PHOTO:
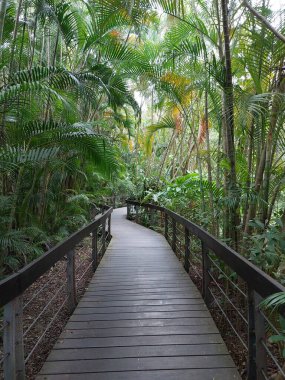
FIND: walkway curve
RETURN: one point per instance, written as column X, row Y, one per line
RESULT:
column 141, row 318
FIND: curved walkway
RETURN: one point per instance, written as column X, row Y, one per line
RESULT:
column 141, row 318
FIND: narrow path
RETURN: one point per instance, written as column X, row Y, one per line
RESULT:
column 141, row 318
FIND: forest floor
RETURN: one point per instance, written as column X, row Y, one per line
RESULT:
column 46, row 310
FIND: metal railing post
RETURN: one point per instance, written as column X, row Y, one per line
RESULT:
column 174, row 237
column 9, row 364
column 103, row 238
column 206, row 277
column 260, row 336
column 71, row 285
column 14, row 361
column 94, row 249
column 152, row 218
column 20, row 356
column 161, row 220
column 251, row 359
column 187, row 250
column 166, row 226
column 109, row 227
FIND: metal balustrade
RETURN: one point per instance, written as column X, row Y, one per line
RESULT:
column 37, row 301
column 231, row 286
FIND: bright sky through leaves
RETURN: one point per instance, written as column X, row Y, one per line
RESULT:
column 278, row 4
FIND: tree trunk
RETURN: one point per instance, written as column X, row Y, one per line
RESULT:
column 233, row 217
column 264, row 21
column 3, row 6
column 258, row 182
column 15, row 31
column 272, row 135
column 209, row 165
column 249, row 170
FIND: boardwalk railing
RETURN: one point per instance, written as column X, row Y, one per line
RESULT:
column 38, row 299
column 231, row 286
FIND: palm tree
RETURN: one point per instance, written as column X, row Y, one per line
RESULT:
column 60, row 73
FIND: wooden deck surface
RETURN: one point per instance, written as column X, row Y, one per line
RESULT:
column 141, row 318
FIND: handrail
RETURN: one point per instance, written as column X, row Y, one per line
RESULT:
column 59, row 283
column 231, row 286
column 255, row 277
column 17, row 283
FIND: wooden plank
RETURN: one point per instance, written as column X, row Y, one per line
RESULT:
column 148, row 270
column 183, row 374
column 141, row 318
column 154, row 295
column 137, row 291
column 143, row 244
column 143, row 364
column 141, row 289
column 139, row 309
column 98, row 288
column 137, row 277
column 139, row 331
column 149, row 315
column 140, row 323
column 89, row 302
column 131, row 283
column 139, row 341
column 138, row 352
column 161, row 296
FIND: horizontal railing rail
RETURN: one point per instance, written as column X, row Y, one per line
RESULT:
column 116, row 200
column 42, row 295
column 15, row 284
column 259, row 280
column 231, row 286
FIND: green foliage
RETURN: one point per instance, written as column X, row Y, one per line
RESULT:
column 107, row 97
column 61, row 72
column 267, row 248
column 185, row 195
column 273, row 303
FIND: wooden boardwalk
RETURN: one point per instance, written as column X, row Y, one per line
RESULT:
column 141, row 318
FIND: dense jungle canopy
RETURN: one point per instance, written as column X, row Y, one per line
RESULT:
column 169, row 101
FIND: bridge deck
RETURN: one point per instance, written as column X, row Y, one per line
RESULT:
column 141, row 318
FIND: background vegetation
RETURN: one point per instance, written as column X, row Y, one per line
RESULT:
column 177, row 103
